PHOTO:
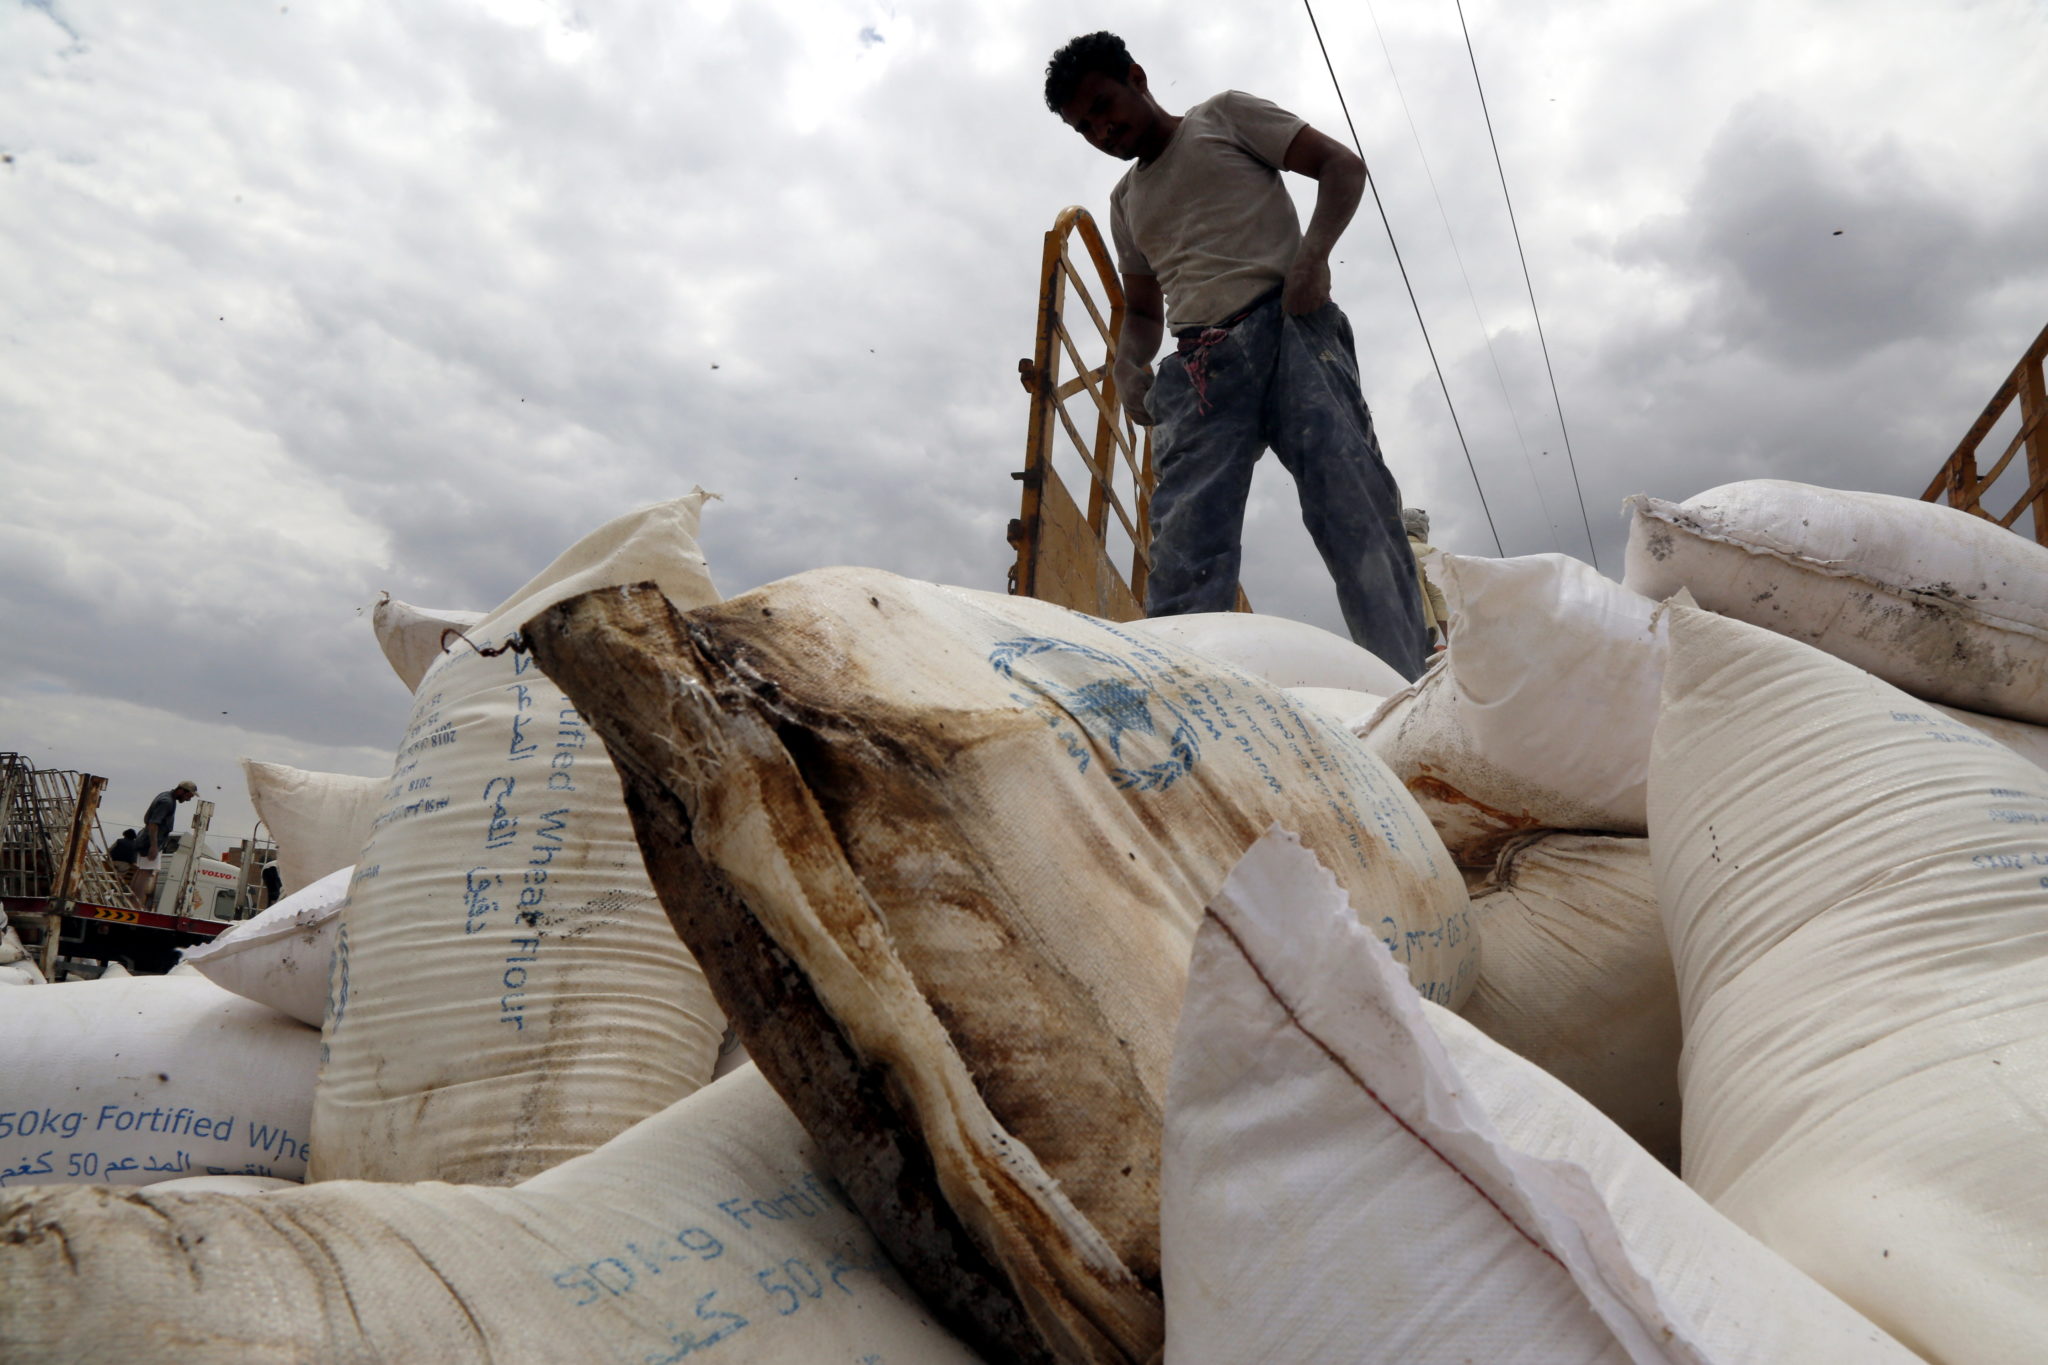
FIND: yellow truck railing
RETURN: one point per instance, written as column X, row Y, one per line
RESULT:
column 1064, row 554
column 1959, row 482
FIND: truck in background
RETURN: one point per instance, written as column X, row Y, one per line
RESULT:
column 64, row 898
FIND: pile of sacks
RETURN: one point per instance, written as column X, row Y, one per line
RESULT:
column 1192, row 986
column 17, row 966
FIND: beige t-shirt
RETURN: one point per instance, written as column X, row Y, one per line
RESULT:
column 1210, row 217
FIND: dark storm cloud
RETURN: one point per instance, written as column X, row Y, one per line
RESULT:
column 306, row 305
column 1819, row 254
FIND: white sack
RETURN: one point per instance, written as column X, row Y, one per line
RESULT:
column 1355, row 1174
column 146, row 1078
column 2028, row 741
column 956, row 845
column 1853, row 891
column 507, row 992
column 413, row 637
column 1348, row 708
column 10, row 943
column 319, row 820
column 224, row 1184
column 1950, row 607
column 1285, row 653
column 281, row 957
column 1574, row 975
column 1538, row 714
column 706, row 1231
column 17, row 965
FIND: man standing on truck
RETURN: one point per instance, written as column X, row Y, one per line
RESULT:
column 1207, row 241
column 156, row 833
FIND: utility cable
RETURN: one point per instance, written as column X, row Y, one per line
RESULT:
column 1456, row 425
column 1472, row 295
column 1570, row 462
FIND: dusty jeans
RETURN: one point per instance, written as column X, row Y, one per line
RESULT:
column 1290, row 383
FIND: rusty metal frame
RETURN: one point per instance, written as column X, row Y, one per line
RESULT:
column 1062, row 553
column 1062, row 548
column 1962, row 486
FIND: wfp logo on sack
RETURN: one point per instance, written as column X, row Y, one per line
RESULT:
column 1101, row 704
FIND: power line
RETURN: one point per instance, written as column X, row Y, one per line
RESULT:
column 1571, row 462
column 1472, row 295
column 1456, row 425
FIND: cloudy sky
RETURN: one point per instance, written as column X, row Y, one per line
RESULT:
column 305, row 301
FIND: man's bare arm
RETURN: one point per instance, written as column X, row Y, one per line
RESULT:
column 1340, row 183
column 1144, row 327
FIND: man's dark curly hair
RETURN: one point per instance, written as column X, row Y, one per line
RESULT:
column 1103, row 53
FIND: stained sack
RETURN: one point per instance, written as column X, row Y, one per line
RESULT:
column 1947, row 606
column 943, row 853
column 1353, row 1173
column 1852, row 889
column 1539, row 712
column 709, row 1227
column 505, row 991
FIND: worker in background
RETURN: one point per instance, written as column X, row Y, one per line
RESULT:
column 273, row 884
column 122, row 856
column 1208, row 243
column 156, row 833
column 1436, row 617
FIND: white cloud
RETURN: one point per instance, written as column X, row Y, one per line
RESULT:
column 308, row 301
column 142, row 750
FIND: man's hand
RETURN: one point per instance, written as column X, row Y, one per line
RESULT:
column 1308, row 283
column 1340, row 181
column 1144, row 328
column 1133, row 384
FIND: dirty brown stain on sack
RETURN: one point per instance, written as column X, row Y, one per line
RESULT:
column 1027, row 1033
column 1069, row 1104
column 843, row 1100
column 960, row 864
column 19, row 1227
column 736, row 679
column 1429, row 788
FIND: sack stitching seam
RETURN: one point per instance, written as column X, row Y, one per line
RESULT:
column 1373, row 1095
